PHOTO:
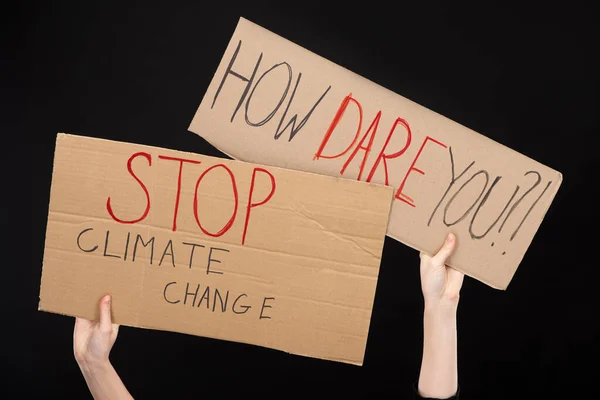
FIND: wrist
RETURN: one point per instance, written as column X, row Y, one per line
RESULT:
column 94, row 367
column 441, row 307
column 439, row 320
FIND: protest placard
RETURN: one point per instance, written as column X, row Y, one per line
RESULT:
column 274, row 102
column 214, row 247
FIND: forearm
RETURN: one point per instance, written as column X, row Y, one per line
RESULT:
column 104, row 382
column 439, row 371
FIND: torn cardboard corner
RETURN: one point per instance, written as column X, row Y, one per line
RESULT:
column 213, row 247
column 274, row 102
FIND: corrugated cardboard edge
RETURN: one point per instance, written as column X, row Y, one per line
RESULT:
column 58, row 137
column 390, row 189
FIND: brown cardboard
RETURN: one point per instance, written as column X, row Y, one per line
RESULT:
column 306, row 259
column 274, row 102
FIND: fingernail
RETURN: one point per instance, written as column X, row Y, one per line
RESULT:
column 107, row 300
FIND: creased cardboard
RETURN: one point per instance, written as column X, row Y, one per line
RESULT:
column 213, row 247
column 274, row 102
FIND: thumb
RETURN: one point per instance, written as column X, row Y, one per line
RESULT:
column 105, row 318
column 446, row 250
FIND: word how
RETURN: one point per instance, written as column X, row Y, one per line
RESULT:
column 249, row 92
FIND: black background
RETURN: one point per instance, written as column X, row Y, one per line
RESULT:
column 524, row 75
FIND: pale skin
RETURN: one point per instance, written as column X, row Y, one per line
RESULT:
column 93, row 340
column 441, row 288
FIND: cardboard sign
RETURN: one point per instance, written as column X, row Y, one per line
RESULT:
column 274, row 102
column 214, row 247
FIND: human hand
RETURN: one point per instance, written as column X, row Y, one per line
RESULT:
column 93, row 340
column 440, row 284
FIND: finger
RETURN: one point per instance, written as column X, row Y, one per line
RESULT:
column 105, row 318
column 446, row 250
